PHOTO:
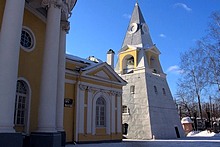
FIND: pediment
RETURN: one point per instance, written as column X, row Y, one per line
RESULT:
column 103, row 72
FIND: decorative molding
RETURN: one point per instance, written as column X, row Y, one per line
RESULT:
column 91, row 89
column 100, row 90
column 82, row 87
column 113, row 93
column 65, row 9
column 48, row 3
column 65, row 26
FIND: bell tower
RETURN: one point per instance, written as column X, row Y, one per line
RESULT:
column 148, row 106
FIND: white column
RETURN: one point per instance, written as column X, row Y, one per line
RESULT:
column 61, row 76
column 119, row 114
column 47, row 106
column 113, row 112
column 9, row 58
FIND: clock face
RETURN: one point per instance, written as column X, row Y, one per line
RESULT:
column 144, row 28
column 132, row 28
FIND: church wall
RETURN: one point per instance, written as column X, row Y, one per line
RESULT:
column 30, row 63
column 79, row 121
column 87, row 131
column 69, row 112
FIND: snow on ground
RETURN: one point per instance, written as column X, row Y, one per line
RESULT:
column 202, row 134
column 193, row 139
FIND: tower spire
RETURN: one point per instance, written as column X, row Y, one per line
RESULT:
column 138, row 33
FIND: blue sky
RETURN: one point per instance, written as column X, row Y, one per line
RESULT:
column 175, row 25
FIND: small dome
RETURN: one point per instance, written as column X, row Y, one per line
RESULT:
column 186, row 120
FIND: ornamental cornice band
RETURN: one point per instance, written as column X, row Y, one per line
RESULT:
column 65, row 26
column 48, row 3
column 92, row 89
column 83, row 87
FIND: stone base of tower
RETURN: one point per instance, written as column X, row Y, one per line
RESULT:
column 152, row 113
column 138, row 119
column 165, row 124
column 11, row 139
column 45, row 139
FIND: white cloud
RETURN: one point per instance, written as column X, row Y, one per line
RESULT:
column 184, row 6
column 175, row 69
column 162, row 35
column 128, row 16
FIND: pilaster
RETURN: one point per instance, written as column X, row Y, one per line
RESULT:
column 119, row 104
column 113, row 95
column 89, row 110
column 81, row 95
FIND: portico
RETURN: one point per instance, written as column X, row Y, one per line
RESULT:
column 50, row 110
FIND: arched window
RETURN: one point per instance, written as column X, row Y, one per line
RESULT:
column 21, row 103
column 154, row 64
column 128, row 64
column 155, row 90
column 100, row 112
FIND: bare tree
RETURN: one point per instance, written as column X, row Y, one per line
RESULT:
column 211, row 47
column 194, row 79
column 185, row 101
column 201, row 66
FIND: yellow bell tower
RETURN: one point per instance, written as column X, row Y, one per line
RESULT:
column 138, row 51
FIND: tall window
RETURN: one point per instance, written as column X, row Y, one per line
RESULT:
column 164, row 92
column 100, row 112
column 155, row 90
column 132, row 88
column 20, row 103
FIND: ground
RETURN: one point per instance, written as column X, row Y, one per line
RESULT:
column 194, row 139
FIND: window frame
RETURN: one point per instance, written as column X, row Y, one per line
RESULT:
column 33, row 40
column 100, row 117
column 132, row 89
column 21, row 99
column 155, row 89
column 164, row 91
column 125, row 109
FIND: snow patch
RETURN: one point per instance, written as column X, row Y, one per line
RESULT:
column 205, row 133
